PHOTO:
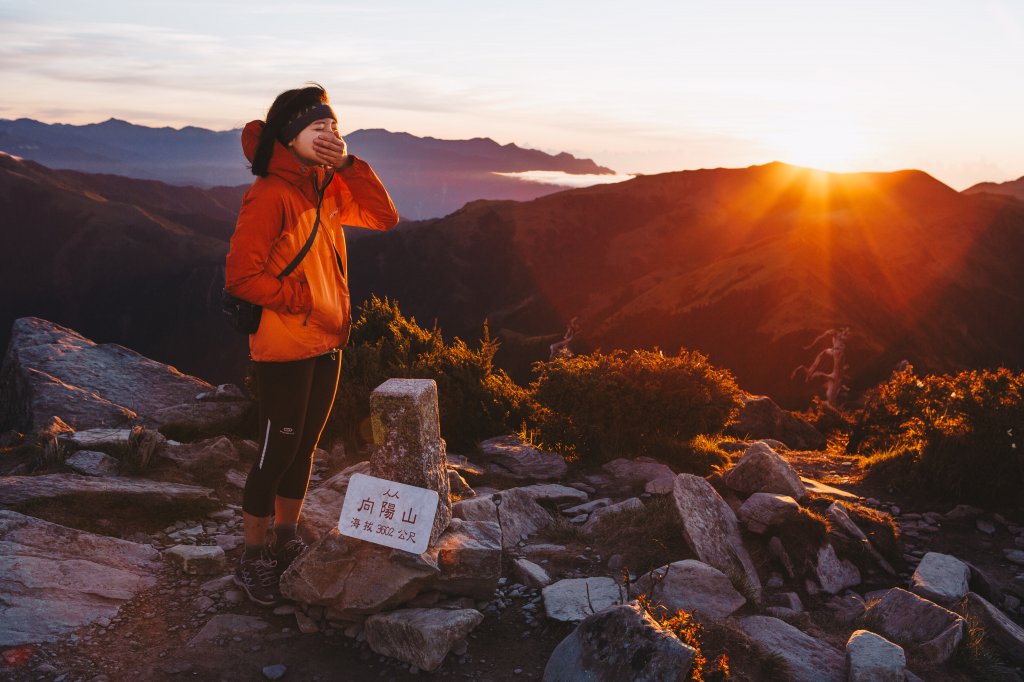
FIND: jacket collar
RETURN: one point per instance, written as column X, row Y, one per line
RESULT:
column 282, row 162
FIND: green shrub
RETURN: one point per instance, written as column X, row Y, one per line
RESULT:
column 626, row 404
column 956, row 435
column 475, row 400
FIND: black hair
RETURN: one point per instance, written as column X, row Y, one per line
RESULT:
column 285, row 108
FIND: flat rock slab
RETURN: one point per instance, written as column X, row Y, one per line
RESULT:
column 873, row 658
column 554, row 493
column 922, row 626
column 574, row 599
column 512, row 457
column 809, row 659
column 21, row 489
column 814, row 487
column 229, row 625
column 54, row 579
column 420, row 637
column 692, row 586
column 51, row 370
column 620, row 643
column 710, row 528
column 940, row 577
column 90, row 463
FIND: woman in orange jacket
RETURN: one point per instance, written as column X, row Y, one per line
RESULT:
column 306, row 181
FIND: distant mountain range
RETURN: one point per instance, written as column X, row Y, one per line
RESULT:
column 1011, row 188
column 746, row 265
column 427, row 177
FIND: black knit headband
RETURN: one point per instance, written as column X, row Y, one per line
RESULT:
column 290, row 131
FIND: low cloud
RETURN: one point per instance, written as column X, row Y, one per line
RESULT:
column 562, row 179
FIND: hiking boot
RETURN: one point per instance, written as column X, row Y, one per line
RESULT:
column 288, row 553
column 258, row 577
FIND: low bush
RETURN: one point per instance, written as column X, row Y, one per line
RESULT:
column 475, row 400
column 598, row 407
column 955, row 435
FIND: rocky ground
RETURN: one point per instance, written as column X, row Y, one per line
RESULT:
column 117, row 547
column 202, row 627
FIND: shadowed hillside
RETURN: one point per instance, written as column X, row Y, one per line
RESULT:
column 134, row 262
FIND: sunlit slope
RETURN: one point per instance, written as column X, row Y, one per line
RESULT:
column 748, row 265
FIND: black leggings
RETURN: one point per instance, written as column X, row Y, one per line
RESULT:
column 295, row 399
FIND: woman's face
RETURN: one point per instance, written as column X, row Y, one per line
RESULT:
column 302, row 145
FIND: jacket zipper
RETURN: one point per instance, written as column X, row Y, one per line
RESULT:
column 319, row 202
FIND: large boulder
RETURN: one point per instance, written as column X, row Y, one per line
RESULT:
column 92, row 490
column 872, row 658
column 690, row 585
column 469, row 558
column 574, row 599
column 762, row 510
column 322, row 506
column 51, row 370
column 762, row 470
column 633, row 504
column 511, row 457
column 55, row 579
column 841, row 522
column 420, row 637
column 355, row 577
column 214, row 454
column 407, row 445
column 760, row 417
column 710, row 529
column 643, row 474
column 921, row 626
column 942, row 578
column 834, row 574
column 513, row 510
column 808, row 659
column 1003, row 633
column 620, row 643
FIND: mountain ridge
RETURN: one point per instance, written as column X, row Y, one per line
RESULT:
column 426, row 176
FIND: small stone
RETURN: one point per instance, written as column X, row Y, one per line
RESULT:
column 985, row 526
column 275, row 672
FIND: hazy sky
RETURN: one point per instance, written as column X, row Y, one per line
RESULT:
column 637, row 86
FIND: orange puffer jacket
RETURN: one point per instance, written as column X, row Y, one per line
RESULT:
column 307, row 313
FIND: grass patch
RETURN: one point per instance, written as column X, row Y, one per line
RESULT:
column 975, row 658
column 802, row 535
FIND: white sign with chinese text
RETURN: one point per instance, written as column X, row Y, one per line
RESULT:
column 388, row 513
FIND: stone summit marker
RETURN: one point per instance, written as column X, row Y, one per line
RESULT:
column 388, row 513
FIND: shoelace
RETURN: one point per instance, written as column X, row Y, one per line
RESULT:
column 264, row 570
column 294, row 547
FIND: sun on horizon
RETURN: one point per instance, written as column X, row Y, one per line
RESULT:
column 829, row 143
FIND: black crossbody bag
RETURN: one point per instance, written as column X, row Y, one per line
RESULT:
column 244, row 316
